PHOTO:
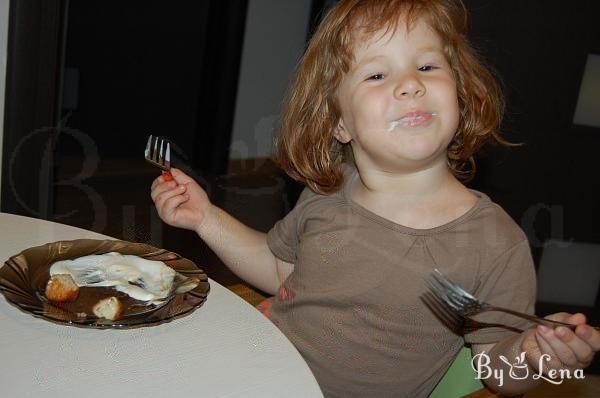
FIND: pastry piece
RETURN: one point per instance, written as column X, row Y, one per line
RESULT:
column 61, row 287
column 108, row 308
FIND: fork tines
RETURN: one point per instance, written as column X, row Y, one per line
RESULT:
column 454, row 321
column 158, row 152
column 438, row 291
column 453, row 295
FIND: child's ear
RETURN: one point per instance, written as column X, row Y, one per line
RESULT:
column 341, row 134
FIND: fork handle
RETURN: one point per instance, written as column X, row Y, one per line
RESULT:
column 538, row 320
column 167, row 176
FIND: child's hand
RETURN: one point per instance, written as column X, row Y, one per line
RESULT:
column 181, row 202
column 567, row 349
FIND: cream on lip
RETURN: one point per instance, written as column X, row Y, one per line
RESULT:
column 411, row 119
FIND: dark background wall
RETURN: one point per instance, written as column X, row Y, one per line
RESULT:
column 153, row 67
column 129, row 69
column 550, row 185
column 539, row 49
column 128, row 60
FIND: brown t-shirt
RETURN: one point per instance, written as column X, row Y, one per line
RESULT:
column 356, row 313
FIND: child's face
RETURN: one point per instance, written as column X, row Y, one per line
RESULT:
column 398, row 101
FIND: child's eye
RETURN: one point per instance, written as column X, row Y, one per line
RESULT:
column 377, row 76
column 426, row 68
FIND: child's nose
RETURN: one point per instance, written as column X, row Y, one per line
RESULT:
column 409, row 86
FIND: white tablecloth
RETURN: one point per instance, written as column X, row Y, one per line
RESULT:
column 223, row 349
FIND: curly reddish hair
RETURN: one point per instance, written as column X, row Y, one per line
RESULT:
column 306, row 148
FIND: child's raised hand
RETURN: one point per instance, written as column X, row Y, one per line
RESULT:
column 565, row 348
column 181, row 202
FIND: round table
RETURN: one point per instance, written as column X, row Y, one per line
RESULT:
column 225, row 348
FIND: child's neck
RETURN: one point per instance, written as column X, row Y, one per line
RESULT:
column 422, row 199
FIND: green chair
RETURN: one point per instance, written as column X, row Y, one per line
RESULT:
column 459, row 380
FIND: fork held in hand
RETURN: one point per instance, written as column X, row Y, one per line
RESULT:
column 159, row 154
column 459, row 324
column 467, row 305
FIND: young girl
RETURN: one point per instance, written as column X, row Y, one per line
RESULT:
column 388, row 106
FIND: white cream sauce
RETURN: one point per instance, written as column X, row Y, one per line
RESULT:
column 139, row 278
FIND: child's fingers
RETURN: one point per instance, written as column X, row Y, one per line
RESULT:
column 160, row 189
column 545, row 347
column 158, row 180
column 582, row 350
column 577, row 319
column 162, row 198
column 172, row 203
column 590, row 335
column 585, row 338
column 574, row 319
column 551, row 344
column 565, row 317
column 180, row 176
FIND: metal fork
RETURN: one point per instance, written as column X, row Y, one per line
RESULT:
column 467, row 305
column 159, row 154
column 457, row 323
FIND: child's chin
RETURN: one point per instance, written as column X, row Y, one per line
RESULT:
column 420, row 154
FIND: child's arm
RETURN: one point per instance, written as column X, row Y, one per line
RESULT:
column 565, row 348
column 183, row 203
column 244, row 250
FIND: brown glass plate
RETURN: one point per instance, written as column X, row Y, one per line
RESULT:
column 24, row 276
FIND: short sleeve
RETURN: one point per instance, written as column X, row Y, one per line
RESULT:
column 509, row 282
column 283, row 238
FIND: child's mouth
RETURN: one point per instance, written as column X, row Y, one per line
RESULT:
column 412, row 119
